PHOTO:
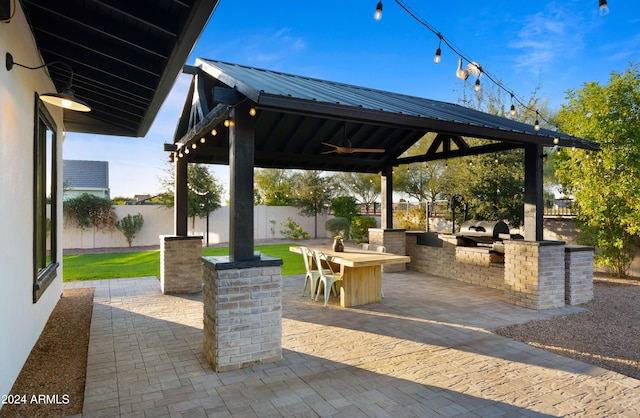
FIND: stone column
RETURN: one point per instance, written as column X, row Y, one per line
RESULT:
column 242, row 312
column 180, row 264
column 534, row 273
column 394, row 241
column 578, row 274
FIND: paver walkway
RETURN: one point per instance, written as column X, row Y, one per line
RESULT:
column 425, row 351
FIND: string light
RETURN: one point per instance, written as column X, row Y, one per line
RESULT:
column 436, row 59
column 203, row 140
column 214, row 132
column 556, row 140
column 513, row 107
column 378, row 14
column 252, row 111
column 604, row 7
column 472, row 67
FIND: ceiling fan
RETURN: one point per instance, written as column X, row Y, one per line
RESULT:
column 348, row 149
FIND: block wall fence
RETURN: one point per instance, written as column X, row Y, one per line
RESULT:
column 158, row 221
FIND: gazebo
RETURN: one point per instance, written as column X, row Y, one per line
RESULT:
column 249, row 117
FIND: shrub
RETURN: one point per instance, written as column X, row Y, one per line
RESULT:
column 88, row 210
column 293, row 230
column 360, row 227
column 130, row 226
column 337, row 225
column 415, row 219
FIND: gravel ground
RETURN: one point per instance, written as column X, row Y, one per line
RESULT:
column 57, row 365
column 605, row 335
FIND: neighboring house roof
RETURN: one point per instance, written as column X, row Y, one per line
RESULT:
column 86, row 174
column 126, row 55
column 297, row 115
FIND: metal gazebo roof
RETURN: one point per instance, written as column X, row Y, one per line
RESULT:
column 295, row 115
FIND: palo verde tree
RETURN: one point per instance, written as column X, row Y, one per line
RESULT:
column 605, row 186
column 204, row 191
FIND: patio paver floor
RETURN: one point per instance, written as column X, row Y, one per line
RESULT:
column 426, row 351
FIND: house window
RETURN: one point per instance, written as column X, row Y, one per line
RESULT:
column 45, row 201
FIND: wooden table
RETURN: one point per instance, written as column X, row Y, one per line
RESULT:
column 361, row 272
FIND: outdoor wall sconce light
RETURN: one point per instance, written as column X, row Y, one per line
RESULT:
column 65, row 98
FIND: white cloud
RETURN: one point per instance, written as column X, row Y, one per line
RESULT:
column 547, row 38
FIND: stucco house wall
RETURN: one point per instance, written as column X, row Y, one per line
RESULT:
column 22, row 320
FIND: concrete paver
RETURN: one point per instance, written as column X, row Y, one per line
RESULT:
column 425, row 350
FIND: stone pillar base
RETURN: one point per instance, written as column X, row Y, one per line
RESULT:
column 578, row 274
column 242, row 312
column 180, row 264
column 534, row 273
column 394, row 241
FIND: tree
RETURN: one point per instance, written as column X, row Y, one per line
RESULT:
column 345, row 207
column 496, row 187
column 273, row 187
column 363, row 186
column 313, row 194
column 493, row 185
column 204, row 192
column 423, row 181
column 605, row 186
column 130, row 226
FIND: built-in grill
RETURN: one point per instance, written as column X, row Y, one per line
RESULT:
column 483, row 233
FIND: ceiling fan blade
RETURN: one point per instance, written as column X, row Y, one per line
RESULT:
column 378, row 150
column 336, row 148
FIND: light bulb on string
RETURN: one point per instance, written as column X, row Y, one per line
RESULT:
column 513, row 107
column 436, row 59
column 378, row 14
column 476, row 87
column 203, row 140
column 556, row 140
column 252, row 111
column 536, row 126
column 604, row 7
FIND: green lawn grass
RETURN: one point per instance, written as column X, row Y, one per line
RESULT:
column 147, row 263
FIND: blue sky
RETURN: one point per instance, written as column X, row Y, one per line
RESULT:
column 553, row 45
